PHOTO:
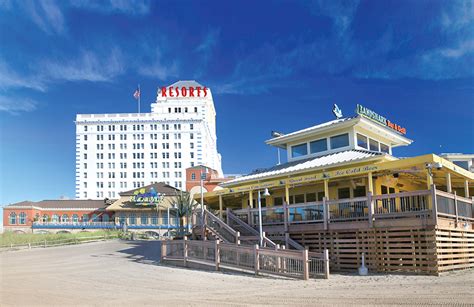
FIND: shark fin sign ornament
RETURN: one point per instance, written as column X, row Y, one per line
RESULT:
column 143, row 198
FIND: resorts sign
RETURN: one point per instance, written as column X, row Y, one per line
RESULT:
column 150, row 198
column 183, row 91
column 379, row 119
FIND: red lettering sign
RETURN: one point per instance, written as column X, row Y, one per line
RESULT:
column 184, row 91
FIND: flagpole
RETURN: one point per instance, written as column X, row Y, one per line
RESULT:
column 139, row 97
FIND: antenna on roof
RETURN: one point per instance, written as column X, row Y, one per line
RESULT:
column 336, row 111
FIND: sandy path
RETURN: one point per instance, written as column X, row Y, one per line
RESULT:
column 125, row 273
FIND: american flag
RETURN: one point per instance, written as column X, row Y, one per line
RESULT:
column 136, row 95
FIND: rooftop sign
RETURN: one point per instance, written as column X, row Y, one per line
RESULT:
column 184, row 91
column 150, row 198
column 379, row 119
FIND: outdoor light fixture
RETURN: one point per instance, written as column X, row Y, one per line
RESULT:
column 266, row 193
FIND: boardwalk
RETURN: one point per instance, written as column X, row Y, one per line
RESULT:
column 125, row 273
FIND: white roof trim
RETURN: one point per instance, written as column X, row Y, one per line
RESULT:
column 321, row 162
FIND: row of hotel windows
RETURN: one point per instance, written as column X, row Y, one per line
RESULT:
column 140, row 127
column 141, row 146
column 136, row 184
column 139, row 155
column 135, row 165
column 335, row 142
column 144, row 218
column 181, row 110
column 123, row 165
column 123, row 137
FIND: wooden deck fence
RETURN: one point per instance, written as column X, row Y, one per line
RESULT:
column 272, row 261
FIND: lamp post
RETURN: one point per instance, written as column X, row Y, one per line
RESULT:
column 265, row 193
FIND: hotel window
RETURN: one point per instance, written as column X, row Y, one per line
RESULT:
column 144, row 219
column 318, row 146
column 193, row 176
column 85, row 128
column 12, row 218
column 85, row 218
column 45, row 218
column 154, row 219
column 191, row 126
column 278, row 201
column 122, row 218
column 95, row 218
column 343, row 193
column 75, row 218
column 64, row 218
column 384, row 148
column 361, row 141
column 299, row 150
column 85, row 137
column 359, row 191
column 339, row 141
column 373, row 145
column 133, row 219
column 320, row 196
column 310, row 197
column 195, row 109
column 105, row 218
column 55, row 218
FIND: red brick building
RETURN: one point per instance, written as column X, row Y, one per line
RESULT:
column 21, row 217
column 211, row 179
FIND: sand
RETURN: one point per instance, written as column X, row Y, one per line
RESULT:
column 128, row 273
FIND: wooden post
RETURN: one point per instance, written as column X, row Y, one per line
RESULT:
column 325, row 213
column 285, row 215
column 277, row 247
column 237, row 238
column 370, row 207
column 449, row 188
column 257, row 262
column 185, row 251
column 251, row 199
column 305, row 264
column 456, row 207
column 217, row 255
column 249, row 216
column 221, row 207
column 370, row 183
column 434, row 204
column 466, row 188
column 326, row 263
column 163, row 250
column 287, row 194
column 287, row 237
column 227, row 216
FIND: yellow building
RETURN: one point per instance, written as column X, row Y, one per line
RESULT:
column 342, row 189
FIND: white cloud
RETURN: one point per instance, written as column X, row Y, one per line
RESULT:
column 209, row 41
column 17, row 105
column 135, row 7
column 87, row 67
column 158, row 68
column 11, row 79
column 46, row 14
column 462, row 49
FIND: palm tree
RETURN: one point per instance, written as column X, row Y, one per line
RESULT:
column 185, row 205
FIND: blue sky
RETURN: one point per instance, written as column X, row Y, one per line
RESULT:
column 272, row 65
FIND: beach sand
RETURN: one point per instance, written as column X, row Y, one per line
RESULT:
column 128, row 273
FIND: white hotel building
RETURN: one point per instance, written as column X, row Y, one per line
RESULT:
column 119, row 152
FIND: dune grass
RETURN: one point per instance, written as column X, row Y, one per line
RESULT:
column 8, row 238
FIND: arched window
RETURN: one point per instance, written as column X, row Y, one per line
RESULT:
column 105, row 218
column 144, row 219
column 45, row 218
column 85, row 218
column 133, row 218
column 122, row 218
column 55, row 218
column 95, row 218
column 12, row 218
column 65, row 218
column 22, row 219
column 75, row 218
column 154, row 219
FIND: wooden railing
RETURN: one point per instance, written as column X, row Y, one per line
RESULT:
column 272, row 261
column 218, row 227
column 369, row 208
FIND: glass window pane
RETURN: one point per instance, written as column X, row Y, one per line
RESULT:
column 339, row 141
column 278, row 201
column 299, row 199
column 362, row 141
column 374, row 145
column 384, row 148
column 318, row 146
column 299, row 150
column 343, row 193
column 310, row 197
